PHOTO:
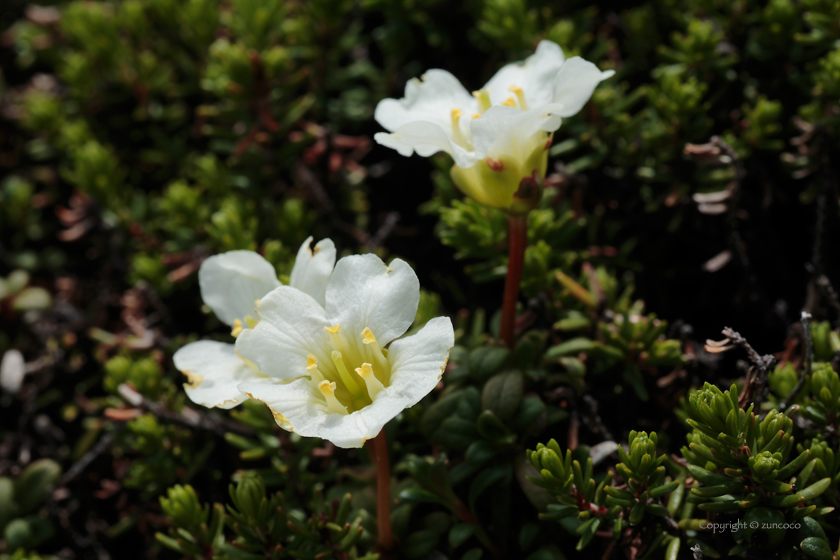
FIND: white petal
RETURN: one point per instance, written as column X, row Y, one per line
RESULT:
column 574, row 84
column 431, row 99
column 426, row 138
column 509, row 131
column 535, row 75
column 364, row 292
column 419, row 360
column 422, row 120
column 304, row 411
column 291, row 327
column 232, row 282
column 12, row 371
column 214, row 370
column 313, row 268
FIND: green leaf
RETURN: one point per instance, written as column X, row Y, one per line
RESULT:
column 815, row 489
column 481, row 451
column 502, row 394
column 487, row 360
column 483, row 481
column 816, row 548
column 34, row 482
column 460, row 532
column 419, row 495
column 419, row 544
column 473, row 554
column 571, row 347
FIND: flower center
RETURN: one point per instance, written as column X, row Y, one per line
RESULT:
column 249, row 320
column 358, row 371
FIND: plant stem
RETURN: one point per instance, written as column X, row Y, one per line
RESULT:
column 385, row 538
column 516, row 258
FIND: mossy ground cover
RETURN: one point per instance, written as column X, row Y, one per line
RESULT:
column 696, row 190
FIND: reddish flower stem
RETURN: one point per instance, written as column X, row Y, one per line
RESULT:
column 516, row 259
column 385, row 538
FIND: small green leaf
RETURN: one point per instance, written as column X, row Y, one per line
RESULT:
column 816, row 548
column 460, row 532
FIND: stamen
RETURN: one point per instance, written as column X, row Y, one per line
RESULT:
column 367, row 336
column 333, row 330
column 312, row 368
column 509, row 102
column 378, row 353
column 348, row 380
column 475, row 116
column 483, row 96
column 455, row 115
column 250, row 321
column 520, row 96
column 372, row 383
column 237, row 328
column 328, row 390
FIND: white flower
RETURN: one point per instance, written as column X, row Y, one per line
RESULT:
column 334, row 374
column 497, row 135
column 231, row 284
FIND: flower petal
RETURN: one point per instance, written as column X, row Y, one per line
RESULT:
column 426, row 138
column 418, row 361
column 232, row 282
column 535, row 75
column 291, row 327
column 303, row 411
column 431, row 99
column 313, row 268
column 364, row 292
column 422, row 120
column 574, row 84
column 510, row 131
column 214, row 370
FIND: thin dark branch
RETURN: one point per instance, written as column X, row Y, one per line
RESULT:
column 754, row 388
column 188, row 417
column 809, row 358
column 384, row 231
column 79, row 466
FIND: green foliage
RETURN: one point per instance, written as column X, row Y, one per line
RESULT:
column 141, row 136
column 23, row 527
column 262, row 526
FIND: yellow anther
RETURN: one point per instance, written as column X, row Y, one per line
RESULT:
column 327, row 389
column 237, row 328
column 509, row 102
column 483, row 97
column 372, row 383
column 456, row 114
column 348, row 380
column 312, row 368
column 250, row 321
column 520, row 96
column 476, row 115
column 333, row 330
column 367, row 336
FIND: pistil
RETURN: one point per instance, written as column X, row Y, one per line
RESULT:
column 328, row 390
column 346, row 377
column 483, row 97
column 372, row 383
column 455, row 115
